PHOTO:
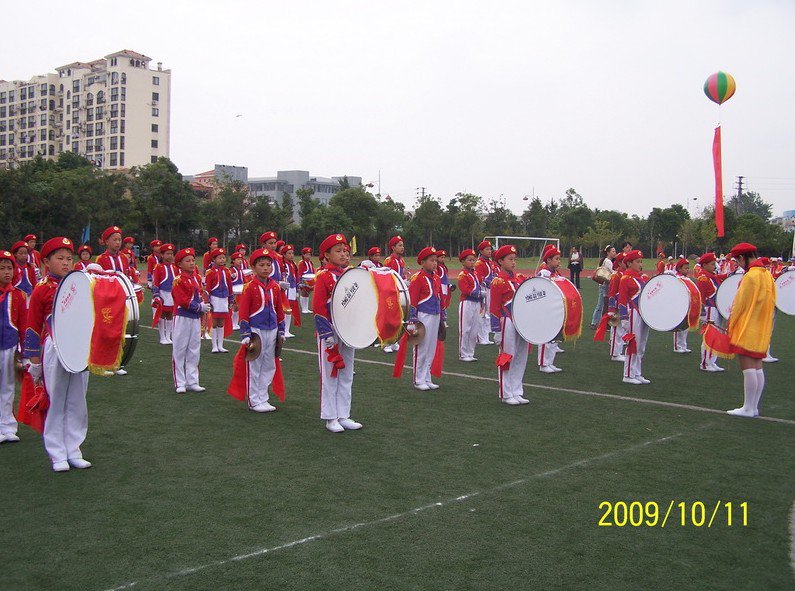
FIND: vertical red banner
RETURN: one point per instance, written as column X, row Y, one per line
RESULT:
column 716, row 160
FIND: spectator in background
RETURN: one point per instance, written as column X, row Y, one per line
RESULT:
column 575, row 266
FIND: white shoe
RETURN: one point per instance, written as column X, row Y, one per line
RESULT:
column 235, row 327
column 620, row 358
column 522, row 400
column 421, row 387
column 349, row 424
column 264, row 407
column 389, row 349
column 60, row 466
column 642, row 380
column 305, row 312
column 432, row 386
column 556, row 368
column 560, row 350
column 196, row 388
column 467, row 359
column 546, row 369
column 334, row 426
column 681, row 351
column 79, row 463
column 3, row 438
column 770, row 359
column 511, row 401
column 215, row 350
column 163, row 342
column 288, row 335
column 181, row 390
column 710, row 368
column 222, row 350
column 741, row 412
column 121, row 372
column 169, row 342
column 9, row 438
column 632, row 381
column 716, row 367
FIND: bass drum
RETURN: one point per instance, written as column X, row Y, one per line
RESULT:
column 665, row 302
column 538, row 310
column 785, row 293
column 353, row 307
column 133, row 320
column 724, row 298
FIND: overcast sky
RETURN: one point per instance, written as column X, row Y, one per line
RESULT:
column 494, row 98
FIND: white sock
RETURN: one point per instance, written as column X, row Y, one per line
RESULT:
column 170, row 328
column 214, row 335
column 750, row 385
column 760, row 385
column 161, row 329
column 287, row 318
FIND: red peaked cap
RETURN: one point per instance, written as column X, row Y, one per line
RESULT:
column 465, row 253
column 484, row 244
column 29, row 237
column 306, row 250
column 216, row 252
column 332, row 241
column 283, row 250
column 155, row 244
column 632, row 255
column 85, row 247
column 706, row 258
column 503, row 251
column 185, row 252
column 54, row 244
column 110, row 232
column 167, row 246
column 261, row 253
column 744, row 248
column 681, row 262
column 19, row 244
column 549, row 252
column 270, row 235
column 129, row 240
column 211, row 240
column 394, row 240
column 373, row 251
column 425, row 253
column 441, row 253
column 7, row 256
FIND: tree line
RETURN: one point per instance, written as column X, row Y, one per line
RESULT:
column 64, row 196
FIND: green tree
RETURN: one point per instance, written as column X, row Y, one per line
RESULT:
column 750, row 202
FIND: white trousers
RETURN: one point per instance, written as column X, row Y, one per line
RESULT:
column 67, row 418
column 425, row 350
column 546, row 354
column 468, row 327
column 485, row 321
column 510, row 342
column 617, row 339
column 335, row 392
column 636, row 326
column 262, row 369
column 186, row 351
column 8, row 424
column 680, row 340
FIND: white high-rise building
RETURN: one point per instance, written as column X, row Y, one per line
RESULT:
column 115, row 111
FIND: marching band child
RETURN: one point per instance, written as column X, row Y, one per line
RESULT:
column 132, row 263
column 84, row 255
column 708, row 283
column 13, row 312
column 270, row 241
column 207, row 258
column 373, row 260
column 114, row 260
column 243, row 250
column 305, row 266
column 25, row 271
column 261, row 313
column 444, row 276
column 471, row 300
column 162, row 284
column 425, row 294
column 187, row 293
column 290, row 275
column 395, row 262
column 335, row 358
column 238, row 279
column 66, row 424
column 152, row 261
column 34, row 256
column 218, row 283
column 486, row 270
column 549, row 268
column 682, row 268
column 660, row 269
column 616, row 331
column 636, row 331
column 512, row 358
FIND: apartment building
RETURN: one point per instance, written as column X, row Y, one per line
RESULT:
column 115, row 111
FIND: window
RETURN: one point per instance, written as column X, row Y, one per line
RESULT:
column 68, row 124
column 114, row 158
column 51, row 135
column 90, row 130
column 154, row 127
column 2, row 98
column 43, row 89
column 76, row 86
column 154, row 143
column 31, row 121
column 114, row 110
column 68, row 109
column 23, row 93
column 51, row 150
column 43, row 119
column 114, row 143
column 98, row 145
column 124, row 93
column 113, row 61
column 52, row 89
column 89, row 146
column 122, row 126
column 153, row 159
column 89, row 99
column 2, row 140
column 43, row 104
column 11, row 94
column 114, row 126
column 156, row 80
column 99, row 129
column 155, row 96
column 2, row 111
column 90, row 115
column 123, row 81
column 114, row 94
column 42, row 135
column 121, row 158
column 123, row 110
column 100, row 97
column 75, row 147
column 100, row 112
column 121, row 144
column 114, row 77
column 75, row 117
column 155, row 112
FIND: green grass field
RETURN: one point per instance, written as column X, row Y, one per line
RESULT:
column 440, row 490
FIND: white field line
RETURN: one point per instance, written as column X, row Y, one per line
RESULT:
column 397, row 516
column 792, row 538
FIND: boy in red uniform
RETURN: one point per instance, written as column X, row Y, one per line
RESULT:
column 395, row 262
column 708, row 283
column 444, row 276
column 84, row 257
column 636, row 331
column 373, row 260
column 550, row 268
column 261, row 313
column 660, row 268
column 238, row 280
column 616, row 332
column 13, row 312
column 25, row 272
column 187, row 294
column 162, row 284
column 290, row 275
column 512, row 359
column 486, row 270
column 305, row 267
column 66, row 424
column 425, row 294
column 335, row 358
column 152, row 261
column 471, row 301
column 113, row 259
column 682, row 269
column 34, row 256
column 218, row 283
column 207, row 259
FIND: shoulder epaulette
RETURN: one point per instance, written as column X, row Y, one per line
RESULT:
column 498, row 281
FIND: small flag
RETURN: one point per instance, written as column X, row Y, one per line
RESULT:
column 353, row 246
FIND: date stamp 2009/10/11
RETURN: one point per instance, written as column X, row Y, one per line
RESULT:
column 679, row 513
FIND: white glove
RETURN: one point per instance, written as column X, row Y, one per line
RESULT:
column 284, row 284
column 446, row 325
column 329, row 342
column 35, row 371
column 206, row 308
column 411, row 328
column 245, row 341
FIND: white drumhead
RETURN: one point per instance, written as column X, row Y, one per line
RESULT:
column 724, row 298
column 354, row 305
column 664, row 302
column 73, row 321
column 237, row 289
column 785, row 293
column 538, row 310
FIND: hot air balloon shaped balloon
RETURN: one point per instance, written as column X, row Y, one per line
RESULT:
column 719, row 87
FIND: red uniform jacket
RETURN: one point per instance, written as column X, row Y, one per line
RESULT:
column 13, row 317
column 187, row 293
column 628, row 291
column 503, row 288
column 397, row 264
column 324, row 285
column 469, row 287
column 37, row 325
